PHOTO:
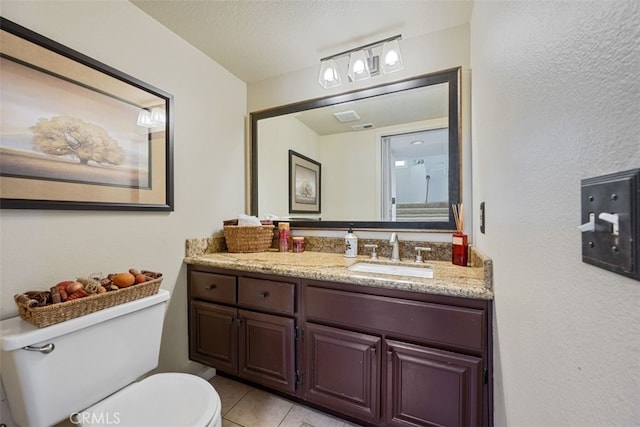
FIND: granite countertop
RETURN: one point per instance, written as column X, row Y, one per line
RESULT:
column 448, row 279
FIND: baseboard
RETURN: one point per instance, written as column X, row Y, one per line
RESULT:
column 207, row 373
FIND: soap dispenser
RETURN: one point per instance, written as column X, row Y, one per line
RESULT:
column 350, row 243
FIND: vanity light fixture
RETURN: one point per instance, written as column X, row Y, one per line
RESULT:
column 151, row 119
column 391, row 57
column 144, row 118
column 364, row 61
column 358, row 66
column 329, row 75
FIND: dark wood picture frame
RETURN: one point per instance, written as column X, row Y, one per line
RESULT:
column 121, row 154
column 304, row 184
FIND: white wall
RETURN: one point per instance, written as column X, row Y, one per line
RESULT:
column 556, row 98
column 425, row 54
column 353, row 191
column 279, row 135
column 41, row 247
column 354, row 194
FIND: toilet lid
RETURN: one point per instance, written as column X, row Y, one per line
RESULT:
column 170, row 400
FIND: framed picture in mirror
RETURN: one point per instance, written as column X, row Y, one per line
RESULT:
column 304, row 184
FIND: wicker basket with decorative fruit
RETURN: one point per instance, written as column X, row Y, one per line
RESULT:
column 74, row 298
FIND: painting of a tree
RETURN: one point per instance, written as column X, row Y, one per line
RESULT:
column 73, row 137
column 304, row 184
column 53, row 129
column 74, row 133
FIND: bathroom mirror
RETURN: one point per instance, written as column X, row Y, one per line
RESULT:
column 389, row 156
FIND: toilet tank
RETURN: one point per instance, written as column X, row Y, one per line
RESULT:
column 93, row 356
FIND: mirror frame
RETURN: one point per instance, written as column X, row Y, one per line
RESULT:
column 451, row 76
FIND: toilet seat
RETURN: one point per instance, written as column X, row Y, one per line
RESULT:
column 168, row 399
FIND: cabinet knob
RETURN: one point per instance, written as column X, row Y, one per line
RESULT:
column 263, row 295
column 211, row 287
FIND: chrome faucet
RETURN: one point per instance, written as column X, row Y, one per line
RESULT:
column 395, row 251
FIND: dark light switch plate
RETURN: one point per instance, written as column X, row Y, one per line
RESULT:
column 617, row 193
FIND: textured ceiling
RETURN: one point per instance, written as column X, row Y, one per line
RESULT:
column 427, row 103
column 256, row 40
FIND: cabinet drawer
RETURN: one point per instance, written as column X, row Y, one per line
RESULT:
column 266, row 295
column 213, row 287
column 444, row 325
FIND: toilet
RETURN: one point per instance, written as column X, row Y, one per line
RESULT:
column 92, row 370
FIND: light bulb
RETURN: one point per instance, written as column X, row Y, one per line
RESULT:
column 358, row 69
column 391, row 57
column 329, row 75
column 158, row 117
column 144, row 118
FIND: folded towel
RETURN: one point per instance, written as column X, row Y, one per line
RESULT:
column 235, row 221
column 248, row 220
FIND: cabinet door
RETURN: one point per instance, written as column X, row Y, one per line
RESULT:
column 267, row 350
column 342, row 371
column 429, row 387
column 214, row 336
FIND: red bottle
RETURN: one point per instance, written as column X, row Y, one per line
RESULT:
column 284, row 234
column 460, row 249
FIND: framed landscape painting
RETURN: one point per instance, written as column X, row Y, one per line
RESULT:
column 304, row 184
column 78, row 134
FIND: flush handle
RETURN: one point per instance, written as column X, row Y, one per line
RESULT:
column 46, row 349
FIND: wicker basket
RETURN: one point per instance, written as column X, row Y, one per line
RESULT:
column 248, row 238
column 56, row 313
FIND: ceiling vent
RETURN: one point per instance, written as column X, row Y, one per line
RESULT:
column 347, row 116
column 363, row 126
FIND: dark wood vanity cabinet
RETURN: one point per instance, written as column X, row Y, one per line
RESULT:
column 342, row 371
column 213, row 335
column 426, row 386
column 377, row 356
column 397, row 358
column 243, row 326
column 266, row 353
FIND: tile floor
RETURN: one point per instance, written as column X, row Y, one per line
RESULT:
column 245, row 406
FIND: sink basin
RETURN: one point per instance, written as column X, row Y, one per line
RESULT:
column 395, row 270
